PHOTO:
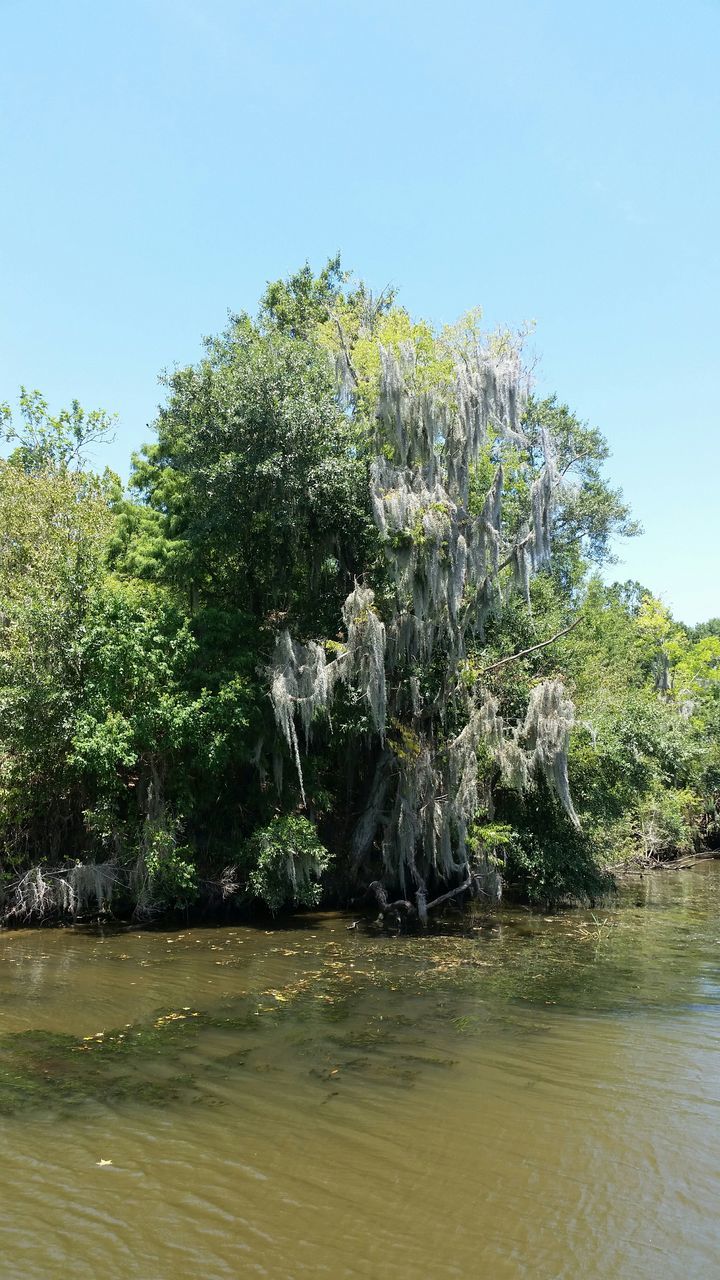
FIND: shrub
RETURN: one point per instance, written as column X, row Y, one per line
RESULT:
column 668, row 822
column 289, row 860
column 171, row 877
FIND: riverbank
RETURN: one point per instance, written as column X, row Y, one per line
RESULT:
column 83, row 895
column 642, row 866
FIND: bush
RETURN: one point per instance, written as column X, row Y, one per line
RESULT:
column 550, row 862
column 289, row 860
column 668, row 823
column 171, row 876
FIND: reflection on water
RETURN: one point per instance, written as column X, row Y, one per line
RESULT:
column 534, row 1098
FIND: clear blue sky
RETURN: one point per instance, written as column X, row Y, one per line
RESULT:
column 557, row 162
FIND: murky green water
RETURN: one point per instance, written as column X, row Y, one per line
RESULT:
column 540, row 1098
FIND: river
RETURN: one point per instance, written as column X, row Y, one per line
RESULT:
column 532, row 1097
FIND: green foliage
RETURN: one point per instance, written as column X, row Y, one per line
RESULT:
column 404, row 741
column 136, row 629
column 288, row 862
column 492, row 841
column 171, row 877
column 53, row 523
column 52, row 442
column 258, row 478
column 549, row 862
column 665, row 823
column 590, row 513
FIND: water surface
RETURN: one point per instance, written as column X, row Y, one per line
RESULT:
column 534, row 1098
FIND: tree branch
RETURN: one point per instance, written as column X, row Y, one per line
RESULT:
column 508, row 559
column 533, row 648
column 453, row 893
column 346, row 353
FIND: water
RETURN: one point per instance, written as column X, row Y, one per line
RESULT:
column 537, row 1098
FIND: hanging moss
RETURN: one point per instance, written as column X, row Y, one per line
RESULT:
column 446, row 568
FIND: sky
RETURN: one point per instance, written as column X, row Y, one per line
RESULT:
column 555, row 163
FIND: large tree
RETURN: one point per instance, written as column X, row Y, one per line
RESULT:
column 372, row 493
column 436, row 734
column 342, row 601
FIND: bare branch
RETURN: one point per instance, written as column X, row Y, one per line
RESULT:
column 533, row 648
column 453, row 893
column 346, row 353
column 508, row 559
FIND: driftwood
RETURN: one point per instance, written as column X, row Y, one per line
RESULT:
column 402, row 912
column 452, row 893
column 391, row 914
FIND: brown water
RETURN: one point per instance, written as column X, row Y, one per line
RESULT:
column 538, row 1098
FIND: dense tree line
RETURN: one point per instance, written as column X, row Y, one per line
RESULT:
column 345, row 628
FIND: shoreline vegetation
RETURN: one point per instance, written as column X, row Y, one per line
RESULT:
column 345, row 637
column 212, row 909
column 637, row 866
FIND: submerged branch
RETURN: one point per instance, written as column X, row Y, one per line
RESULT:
column 452, row 893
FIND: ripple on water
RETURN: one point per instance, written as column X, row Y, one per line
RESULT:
column 536, row 1098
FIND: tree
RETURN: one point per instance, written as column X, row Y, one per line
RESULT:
column 347, row 619
column 53, row 525
column 344, row 473
column 589, row 514
column 436, row 728
column 258, row 477
column 45, row 441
